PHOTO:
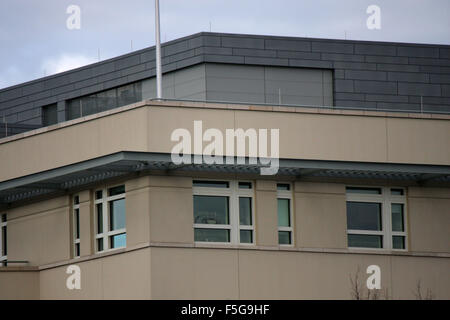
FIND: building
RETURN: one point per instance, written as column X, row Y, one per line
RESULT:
column 87, row 177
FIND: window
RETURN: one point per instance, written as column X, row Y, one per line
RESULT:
column 76, row 226
column 284, row 212
column 110, row 218
column 223, row 211
column 376, row 218
column 104, row 100
column 3, row 240
column 49, row 114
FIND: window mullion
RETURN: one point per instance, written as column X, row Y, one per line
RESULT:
column 105, row 220
column 387, row 216
column 234, row 214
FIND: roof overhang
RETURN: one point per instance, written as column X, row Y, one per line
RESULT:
column 78, row 175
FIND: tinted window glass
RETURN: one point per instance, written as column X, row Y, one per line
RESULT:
column 365, row 241
column 49, row 115
column 284, row 217
column 363, row 216
column 211, row 210
column 212, row 235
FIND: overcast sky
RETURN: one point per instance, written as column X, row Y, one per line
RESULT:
column 35, row 41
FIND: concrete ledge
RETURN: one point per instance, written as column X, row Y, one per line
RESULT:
column 379, row 252
column 230, row 106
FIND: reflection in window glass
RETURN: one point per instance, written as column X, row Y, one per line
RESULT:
column 99, row 218
column 3, row 239
column 398, row 242
column 88, row 105
column 245, row 211
column 106, row 100
column 210, row 184
column 364, row 216
column 284, row 237
column 74, row 109
column 137, row 91
column 100, row 244
column 211, row 210
column 223, row 211
column 118, row 241
column 397, row 217
column 49, row 114
column 110, row 218
column 284, row 216
column 212, row 235
column 368, row 209
column 245, row 185
column 363, row 190
column 397, row 192
column 365, row 241
column 283, row 186
column 116, row 190
column 117, row 214
column 77, row 223
column 125, row 95
column 246, row 236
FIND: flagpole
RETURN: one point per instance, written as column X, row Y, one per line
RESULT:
column 158, row 53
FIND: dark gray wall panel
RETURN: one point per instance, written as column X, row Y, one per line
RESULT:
column 342, row 57
column 417, row 51
column 383, row 59
column 376, row 49
column 288, row 45
column 254, row 53
column 330, row 46
column 298, row 55
column 215, row 50
column 382, row 87
column 386, row 98
column 310, row 64
column 416, row 89
column 408, row 77
column 343, row 86
column 365, row 74
column 266, row 61
column 354, row 65
column 242, row 42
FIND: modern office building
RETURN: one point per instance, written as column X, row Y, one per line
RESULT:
column 87, row 176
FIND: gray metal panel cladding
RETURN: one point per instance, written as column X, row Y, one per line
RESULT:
column 375, row 72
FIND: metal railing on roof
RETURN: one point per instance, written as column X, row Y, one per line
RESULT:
column 306, row 106
column 9, row 129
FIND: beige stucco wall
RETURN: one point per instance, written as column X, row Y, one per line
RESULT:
column 86, row 224
column 159, row 210
column 121, row 276
column 160, row 261
column 321, row 218
column 86, row 140
column 218, row 273
column 266, row 231
column 315, row 134
column 18, row 284
column 429, row 219
column 40, row 233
